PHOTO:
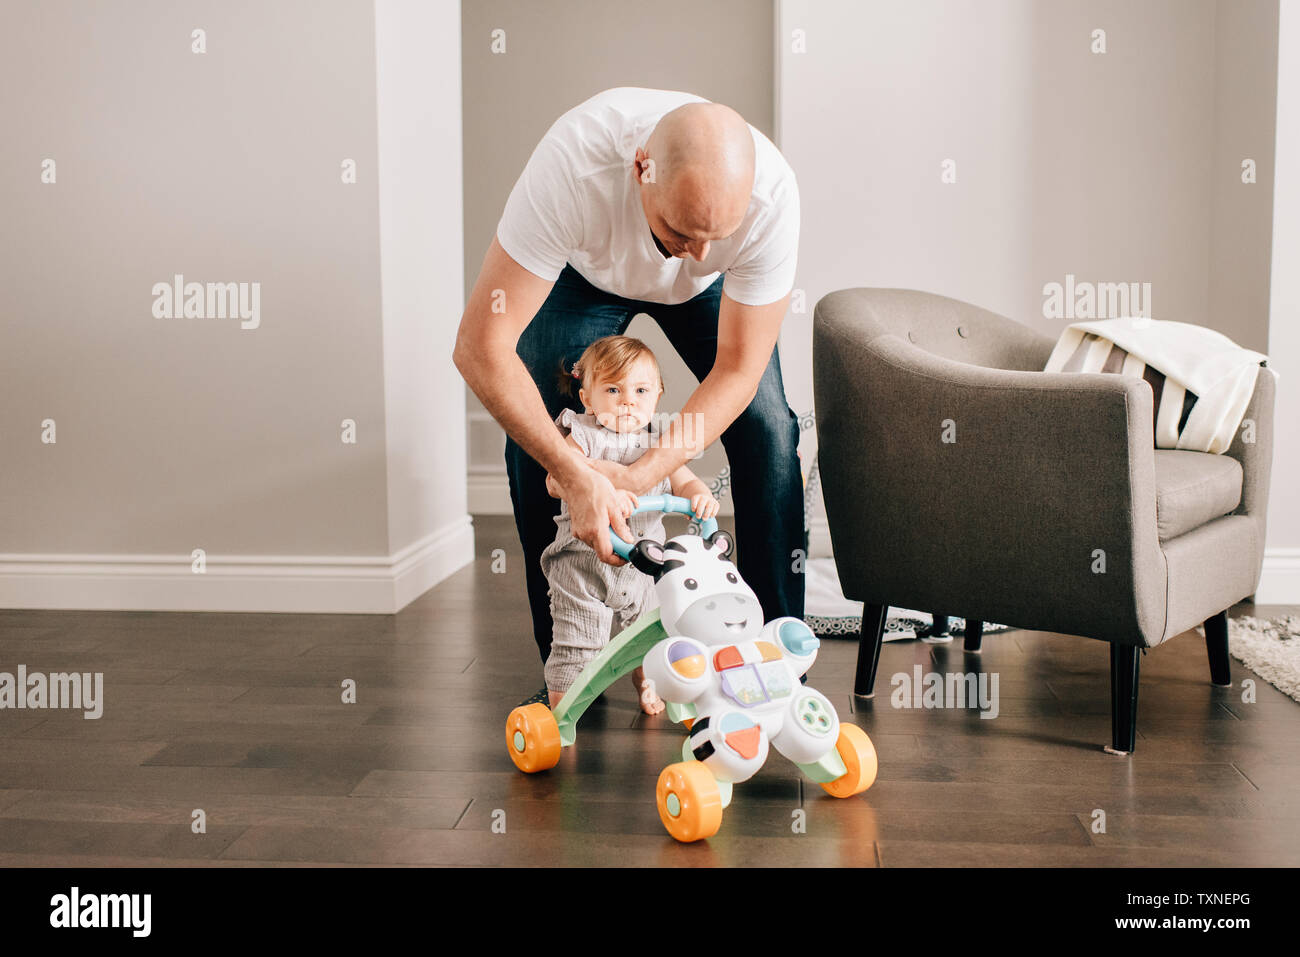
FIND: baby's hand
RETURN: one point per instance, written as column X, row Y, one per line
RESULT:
column 627, row 501
column 704, row 505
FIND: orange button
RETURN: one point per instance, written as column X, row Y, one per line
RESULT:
column 728, row 657
column 690, row 667
column 744, row 743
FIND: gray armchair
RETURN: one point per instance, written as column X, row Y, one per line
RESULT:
column 959, row 476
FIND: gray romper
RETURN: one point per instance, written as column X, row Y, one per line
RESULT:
column 588, row 595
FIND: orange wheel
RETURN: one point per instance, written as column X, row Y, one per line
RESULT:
column 859, row 756
column 533, row 738
column 689, row 803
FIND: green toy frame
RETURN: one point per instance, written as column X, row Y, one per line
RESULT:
column 621, row 656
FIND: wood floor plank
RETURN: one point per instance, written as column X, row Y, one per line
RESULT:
column 240, row 810
column 191, row 783
column 543, row 848
column 1230, row 799
column 11, row 796
column 508, row 788
column 951, row 854
column 1164, row 830
column 116, row 861
column 25, row 836
column 1113, row 773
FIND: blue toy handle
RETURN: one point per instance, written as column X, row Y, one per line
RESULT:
column 660, row 503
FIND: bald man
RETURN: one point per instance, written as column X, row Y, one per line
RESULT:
column 656, row 202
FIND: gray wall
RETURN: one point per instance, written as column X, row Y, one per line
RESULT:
column 222, row 166
column 225, row 166
column 557, row 55
column 1115, row 167
column 1241, row 216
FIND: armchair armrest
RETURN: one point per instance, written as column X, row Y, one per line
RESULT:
column 1011, row 496
column 1256, row 456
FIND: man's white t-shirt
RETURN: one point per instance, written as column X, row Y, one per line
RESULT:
column 578, row 201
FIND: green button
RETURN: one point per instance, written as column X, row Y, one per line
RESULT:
column 519, row 742
column 674, row 805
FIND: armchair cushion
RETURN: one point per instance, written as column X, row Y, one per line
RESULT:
column 1192, row 488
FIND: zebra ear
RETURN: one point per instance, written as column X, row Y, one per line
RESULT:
column 648, row 556
column 720, row 542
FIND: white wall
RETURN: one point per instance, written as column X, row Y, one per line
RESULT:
column 1281, row 582
column 194, row 433
column 422, row 266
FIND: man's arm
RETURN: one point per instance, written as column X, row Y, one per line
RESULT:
column 485, row 355
column 552, row 486
column 746, row 337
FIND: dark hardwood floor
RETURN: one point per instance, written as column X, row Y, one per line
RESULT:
column 240, row 715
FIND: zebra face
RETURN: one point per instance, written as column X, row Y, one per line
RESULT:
column 701, row 595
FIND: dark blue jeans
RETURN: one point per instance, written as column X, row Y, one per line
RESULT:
column 766, row 485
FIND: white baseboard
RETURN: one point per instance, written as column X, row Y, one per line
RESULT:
column 1279, row 584
column 819, row 538
column 489, row 492
column 361, row 585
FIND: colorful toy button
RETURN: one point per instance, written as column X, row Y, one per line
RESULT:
column 728, row 657
column 685, row 659
column 742, row 685
column 741, row 735
column 812, row 714
column 744, row 743
column 798, row 638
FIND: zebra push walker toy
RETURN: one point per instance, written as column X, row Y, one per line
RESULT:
column 732, row 679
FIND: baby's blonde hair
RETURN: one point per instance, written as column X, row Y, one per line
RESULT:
column 607, row 357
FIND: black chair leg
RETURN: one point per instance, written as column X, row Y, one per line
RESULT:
column 1124, row 661
column 1216, row 646
column 873, row 636
column 974, row 632
column 941, row 624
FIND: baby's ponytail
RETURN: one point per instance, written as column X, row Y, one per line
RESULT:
column 567, row 383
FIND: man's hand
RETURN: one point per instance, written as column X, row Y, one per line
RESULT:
column 595, row 505
column 616, row 472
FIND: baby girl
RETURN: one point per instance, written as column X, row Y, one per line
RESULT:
column 619, row 384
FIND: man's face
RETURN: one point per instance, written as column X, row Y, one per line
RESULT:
column 676, row 243
column 669, row 213
column 625, row 403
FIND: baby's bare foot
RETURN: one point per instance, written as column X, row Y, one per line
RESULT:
column 651, row 703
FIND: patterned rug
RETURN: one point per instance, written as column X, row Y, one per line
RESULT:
column 830, row 615
column 1270, row 648
column 902, row 623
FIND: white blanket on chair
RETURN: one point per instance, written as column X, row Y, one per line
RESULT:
column 1202, row 380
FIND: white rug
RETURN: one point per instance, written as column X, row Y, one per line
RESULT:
column 1270, row 648
column 831, row 615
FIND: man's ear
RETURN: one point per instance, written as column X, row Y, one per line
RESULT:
column 648, row 556
column 720, row 543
